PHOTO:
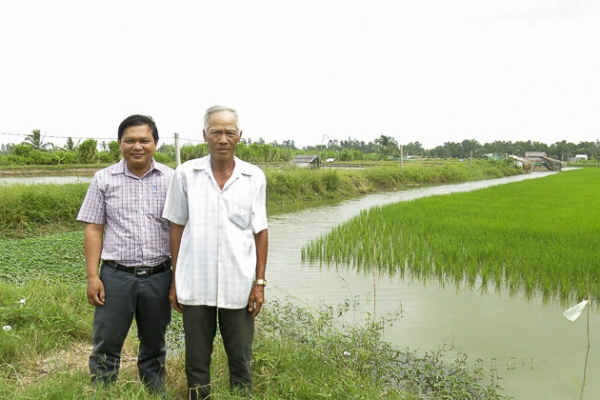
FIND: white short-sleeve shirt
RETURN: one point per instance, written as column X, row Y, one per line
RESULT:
column 216, row 263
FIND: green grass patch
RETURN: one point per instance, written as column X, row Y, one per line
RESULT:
column 291, row 185
column 538, row 236
column 38, row 319
column 27, row 210
column 51, row 259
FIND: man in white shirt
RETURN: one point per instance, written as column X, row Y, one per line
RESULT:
column 219, row 241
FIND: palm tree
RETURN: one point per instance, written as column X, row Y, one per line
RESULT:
column 70, row 146
column 35, row 140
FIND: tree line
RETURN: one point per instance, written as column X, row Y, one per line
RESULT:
column 388, row 146
column 35, row 151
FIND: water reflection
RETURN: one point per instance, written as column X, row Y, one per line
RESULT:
column 539, row 353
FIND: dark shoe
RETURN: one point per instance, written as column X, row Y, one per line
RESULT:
column 199, row 392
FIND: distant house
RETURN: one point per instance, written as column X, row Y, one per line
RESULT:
column 581, row 157
column 307, row 161
column 329, row 159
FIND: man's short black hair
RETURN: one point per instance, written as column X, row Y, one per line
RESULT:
column 137, row 120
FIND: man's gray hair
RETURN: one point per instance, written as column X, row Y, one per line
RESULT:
column 216, row 109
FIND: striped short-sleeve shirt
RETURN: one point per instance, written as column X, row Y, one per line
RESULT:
column 130, row 208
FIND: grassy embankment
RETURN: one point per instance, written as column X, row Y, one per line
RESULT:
column 299, row 353
column 539, row 236
column 27, row 211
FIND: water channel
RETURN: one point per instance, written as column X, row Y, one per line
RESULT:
column 537, row 351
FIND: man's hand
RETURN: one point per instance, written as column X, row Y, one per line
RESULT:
column 173, row 299
column 95, row 292
column 257, row 298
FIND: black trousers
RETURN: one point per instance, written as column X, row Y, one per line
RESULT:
column 237, row 330
column 128, row 296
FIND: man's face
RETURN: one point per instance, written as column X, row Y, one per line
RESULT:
column 222, row 135
column 137, row 147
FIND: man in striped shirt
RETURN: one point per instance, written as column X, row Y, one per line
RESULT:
column 125, row 229
column 217, row 206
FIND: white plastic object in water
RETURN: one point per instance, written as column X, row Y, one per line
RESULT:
column 574, row 312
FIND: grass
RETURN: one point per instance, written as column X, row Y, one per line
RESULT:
column 54, row 258
column 538, row 235
column 299, row 353
column 293, row 185
column 27, row 210
column 43, row 319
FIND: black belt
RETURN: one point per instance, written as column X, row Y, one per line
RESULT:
column 140, row 271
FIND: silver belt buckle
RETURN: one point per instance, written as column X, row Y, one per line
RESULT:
column 141, row 271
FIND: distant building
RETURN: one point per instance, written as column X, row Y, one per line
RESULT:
column 307, row 161
column 539, row 159
column 581, row 157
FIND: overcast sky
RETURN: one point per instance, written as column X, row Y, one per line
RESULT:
column 432, row 71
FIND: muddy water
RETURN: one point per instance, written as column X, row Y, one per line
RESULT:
column 536, row 350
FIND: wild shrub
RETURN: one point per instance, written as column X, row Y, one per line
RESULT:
column 338, row 360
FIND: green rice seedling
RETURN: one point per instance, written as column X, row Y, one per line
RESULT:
column 537, row 236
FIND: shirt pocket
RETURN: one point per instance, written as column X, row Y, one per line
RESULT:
column 239, row 214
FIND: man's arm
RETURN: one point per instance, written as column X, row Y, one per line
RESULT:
column 92, row 248
column 257, row 295
column 175, row 242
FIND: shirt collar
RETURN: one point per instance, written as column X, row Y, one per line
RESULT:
column 121, row 168
column 240, row 168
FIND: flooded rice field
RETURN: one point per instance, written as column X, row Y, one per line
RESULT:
column 536, row 350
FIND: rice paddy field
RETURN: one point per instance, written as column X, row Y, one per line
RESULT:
column 537, row 236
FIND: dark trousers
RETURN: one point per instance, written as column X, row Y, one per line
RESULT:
column 237, row 330
column 128, row 296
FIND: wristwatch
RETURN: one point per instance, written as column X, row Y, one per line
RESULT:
column 260, row 282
